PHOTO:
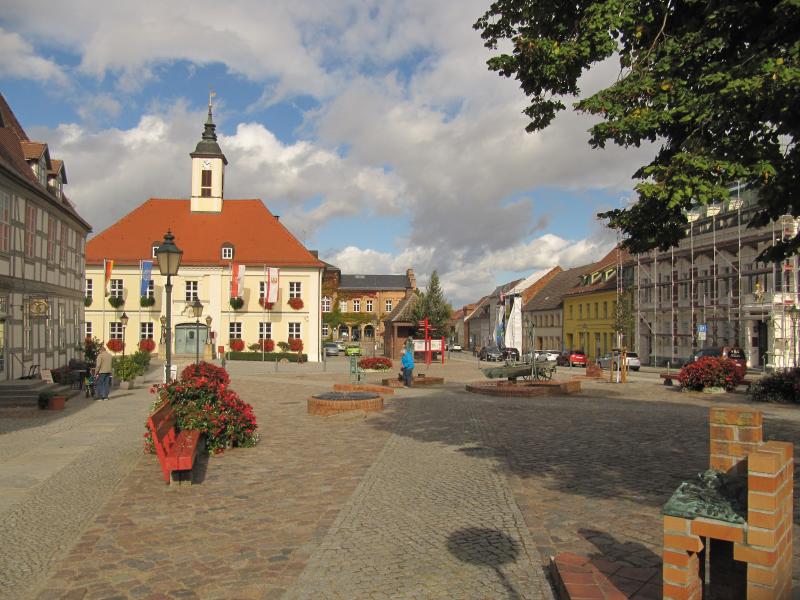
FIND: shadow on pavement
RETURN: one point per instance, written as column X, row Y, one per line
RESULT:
column 486, row 547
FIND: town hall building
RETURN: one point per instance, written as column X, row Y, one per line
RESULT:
column 235, row 253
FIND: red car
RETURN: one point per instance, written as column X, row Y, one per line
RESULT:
column 577, row 358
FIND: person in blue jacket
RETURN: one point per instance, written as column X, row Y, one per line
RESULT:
column 407, row 361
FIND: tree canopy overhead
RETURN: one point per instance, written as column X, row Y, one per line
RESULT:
column 715, row 83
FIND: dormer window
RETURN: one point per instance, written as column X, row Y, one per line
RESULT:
column 205, row 183
column 155, row 247
column 227, row 253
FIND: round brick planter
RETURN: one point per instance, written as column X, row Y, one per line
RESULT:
column 335, row 402
column 524, row 389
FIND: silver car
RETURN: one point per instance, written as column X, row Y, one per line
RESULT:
column 610, row 360
column 331, row 349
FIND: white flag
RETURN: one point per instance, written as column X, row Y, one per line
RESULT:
column 273, row 282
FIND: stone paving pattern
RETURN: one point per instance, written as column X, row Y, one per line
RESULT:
column 433, row 491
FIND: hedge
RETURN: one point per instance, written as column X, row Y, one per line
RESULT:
column 268, row 356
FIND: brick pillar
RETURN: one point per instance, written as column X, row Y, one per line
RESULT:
column 682, row 572
column 735, row 433
column 768, row 550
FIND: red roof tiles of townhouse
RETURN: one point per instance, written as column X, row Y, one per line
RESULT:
column 32, row 150
column 257, row 236
column 609, row 260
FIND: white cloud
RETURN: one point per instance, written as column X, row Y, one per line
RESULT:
column 18, row 59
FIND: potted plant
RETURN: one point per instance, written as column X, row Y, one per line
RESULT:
column 147, row 301
column 115, row 345
column 296, row 303
column 147, row 345
column 237, row 302
column 236, row 345
column 116, row 301
column 126, row 369
column 87, row 301
column 51, row 401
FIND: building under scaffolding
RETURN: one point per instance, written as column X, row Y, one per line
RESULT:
column 710, row 291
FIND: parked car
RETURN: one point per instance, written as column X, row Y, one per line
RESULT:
column 610, row 360
column 331, row 349
column 455, row 348
column 490, row 353
column 352, row 350
column 341, row 345
column 546, row 355
column 577, row 358
column 511, row 354
column 735, row 354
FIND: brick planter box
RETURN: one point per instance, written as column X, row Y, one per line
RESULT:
column 336, row 402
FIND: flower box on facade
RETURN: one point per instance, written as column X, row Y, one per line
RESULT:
column 296, row 303
column 237, row 303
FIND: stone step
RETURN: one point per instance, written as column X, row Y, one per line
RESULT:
column 15, row 398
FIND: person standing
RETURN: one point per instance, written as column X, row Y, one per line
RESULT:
column 407, row 362
column 102, row 373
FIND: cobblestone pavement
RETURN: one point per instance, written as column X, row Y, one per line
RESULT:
column 436, row 489
column 429, row 520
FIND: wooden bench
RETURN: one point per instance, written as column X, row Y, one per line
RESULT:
column 176, row 451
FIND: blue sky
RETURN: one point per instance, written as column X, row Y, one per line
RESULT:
column 373, row 128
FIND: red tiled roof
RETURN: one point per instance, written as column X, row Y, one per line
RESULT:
column 56, row 167
column 9, row 119
column 609, row 260
column 32, row 150
column 257, row 236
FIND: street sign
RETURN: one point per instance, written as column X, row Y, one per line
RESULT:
column 702, row 329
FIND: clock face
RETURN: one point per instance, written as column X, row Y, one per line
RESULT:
column 206, row 164
column 38, row 307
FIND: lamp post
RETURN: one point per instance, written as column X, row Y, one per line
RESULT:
column 712, row 210
column 692, row 216
column 736, row 204
column 208, row 337
column 169, row 259
column 124, row 320
column 197, row 311
column 163, row 320
column 794, row 312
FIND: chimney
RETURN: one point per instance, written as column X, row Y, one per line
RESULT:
column 314, row 253
column 412, row 281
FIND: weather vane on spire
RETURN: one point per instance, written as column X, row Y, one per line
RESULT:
column 211, row 95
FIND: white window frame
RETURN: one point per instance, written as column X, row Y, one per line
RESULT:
column 227, row 253
column 295, row 289
column 368, row 305
column 5, row 220
column 191, row 290
column 356, row 305
column 235, row 330
column 31, row 215
column 388, row 305
column 151, row 289
column 154, row 251
column 89, row 287
column 294, row 330
column 326, row 304
column 116, row 288
column 52, row 230
column 146, row 330
column 115, row 330
column 62, row 251
column 87, row 329
column 343, row 305
column 326, row 330
column 264, row 330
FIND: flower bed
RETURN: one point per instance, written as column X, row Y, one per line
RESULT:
column 710, row 372
column 115, row 345
column 236, row 345
column 783, row 387
column 203, row 402
column 147, row 345
column 296, row 303
column 377, row 363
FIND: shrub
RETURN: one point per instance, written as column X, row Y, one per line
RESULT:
column 44, row 399
column 236, row 345
column 212, row 408
column 207, row 371
column 125, row 368
column 710, row 371
column 284, row 346
column 263, row 345
column 115, row 345
column 146, row 301
column 116, row 301
column 378, row 363
column 295, row 345
column 296, row 303
column 142, row 360
column 147, row 345
column 237, row 302
column 91, row 348
column 783, row 386
column 263, row 302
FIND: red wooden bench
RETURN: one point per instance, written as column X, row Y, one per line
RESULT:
column 176, row 451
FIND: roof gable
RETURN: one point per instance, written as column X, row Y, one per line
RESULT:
column 256, row 234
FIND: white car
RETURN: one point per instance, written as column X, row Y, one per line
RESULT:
column 610, row 360
column 546, row 355
column 455, row 348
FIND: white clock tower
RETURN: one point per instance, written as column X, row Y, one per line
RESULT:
column 208, row 171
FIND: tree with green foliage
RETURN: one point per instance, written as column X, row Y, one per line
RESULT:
column 432, row 304
column 715, row 84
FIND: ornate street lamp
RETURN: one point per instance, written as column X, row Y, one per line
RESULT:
column 169, row 260
column 124, row 320
column 197, row 311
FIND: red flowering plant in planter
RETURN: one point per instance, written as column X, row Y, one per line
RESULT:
column 236, row 345
column 296, row 303
column 209, row 406
column 115, row 345
column 263, row 302
column 263, row 345
column 295, row 345
column 710, row 371
column 377, row 363
column 147, row 345
column 206, row 370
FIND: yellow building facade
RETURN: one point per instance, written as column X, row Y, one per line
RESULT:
column 589, row 322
